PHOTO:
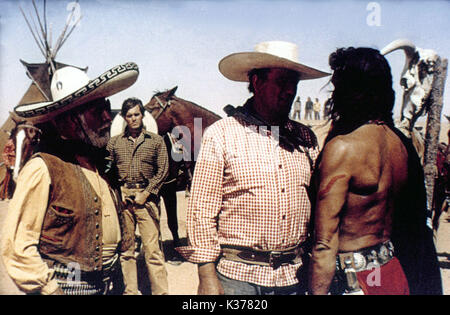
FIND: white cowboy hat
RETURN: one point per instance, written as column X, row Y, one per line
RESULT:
column 272, row 54
column 71, row 87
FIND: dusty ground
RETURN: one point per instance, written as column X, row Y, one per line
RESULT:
column 443, row 250
column 183, row 278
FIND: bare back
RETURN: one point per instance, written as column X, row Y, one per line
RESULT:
column 362, row 178
column 378, row 175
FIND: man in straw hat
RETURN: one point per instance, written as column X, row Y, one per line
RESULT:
column 64, row 226
column 249, row 211
column 370, row 233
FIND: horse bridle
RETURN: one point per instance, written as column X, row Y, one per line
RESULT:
column 162, row 105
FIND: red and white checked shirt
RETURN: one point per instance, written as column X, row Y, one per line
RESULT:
column 248, row 191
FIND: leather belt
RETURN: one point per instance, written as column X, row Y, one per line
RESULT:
column 138, row 185
column 273, row 258
column 366, row 258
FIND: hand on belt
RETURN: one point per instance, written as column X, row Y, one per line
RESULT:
column 274, row 259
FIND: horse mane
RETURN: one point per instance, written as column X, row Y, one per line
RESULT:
column 158, row 93
column 199, row 107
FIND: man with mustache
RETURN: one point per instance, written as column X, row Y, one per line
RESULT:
column 64, row 230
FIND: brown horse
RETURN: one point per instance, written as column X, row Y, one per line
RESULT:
column 182, row 122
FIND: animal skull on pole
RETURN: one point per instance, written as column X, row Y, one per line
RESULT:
column 416, row 80
column 423, row 80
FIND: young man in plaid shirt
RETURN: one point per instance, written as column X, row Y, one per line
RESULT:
column 249, row 210
column 141, row 159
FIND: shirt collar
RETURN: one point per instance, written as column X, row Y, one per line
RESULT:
column 126, row 133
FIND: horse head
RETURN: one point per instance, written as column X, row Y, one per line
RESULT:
column 183, row 119
column 158, row 106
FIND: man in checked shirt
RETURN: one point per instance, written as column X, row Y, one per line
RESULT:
column 249, row 210
column 141, row 160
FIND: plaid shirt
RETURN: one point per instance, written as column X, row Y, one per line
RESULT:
column 248, row 191
column 144, row 159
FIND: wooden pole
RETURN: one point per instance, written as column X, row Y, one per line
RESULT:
column 432, row 132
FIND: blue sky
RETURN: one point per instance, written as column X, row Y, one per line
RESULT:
column 181, row 42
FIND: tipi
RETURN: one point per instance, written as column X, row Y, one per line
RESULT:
column 40, row 75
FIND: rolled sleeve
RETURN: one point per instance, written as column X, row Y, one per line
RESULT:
column 205, row 203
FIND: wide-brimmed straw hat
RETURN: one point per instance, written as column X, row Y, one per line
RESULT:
column 71, row 87
column 271, row 54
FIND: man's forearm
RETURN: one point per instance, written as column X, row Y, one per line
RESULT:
column 156, row 182
column 322, row 269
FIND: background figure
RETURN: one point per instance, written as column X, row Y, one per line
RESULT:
column 64, row 228
column 308, row 109
column 316, row 108
column 371, row 202
column 141, row 160
column 297, row 108
column 243, row 233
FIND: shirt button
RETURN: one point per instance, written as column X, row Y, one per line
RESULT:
column 284, row 217
column 97, row 248
column 97, row 236
column 95, row 198
column 97, row 225
column 280, row 166
column 97, row 211
column 282, row 190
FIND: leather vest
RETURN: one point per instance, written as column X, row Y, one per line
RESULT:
column 72, row 227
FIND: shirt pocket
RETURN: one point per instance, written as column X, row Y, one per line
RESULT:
column 249, row 172
column 58, row 222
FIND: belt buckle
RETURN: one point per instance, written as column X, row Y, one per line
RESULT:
column 360, row 261
column 274, row 259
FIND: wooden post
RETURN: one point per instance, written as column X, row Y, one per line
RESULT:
column 432, row 132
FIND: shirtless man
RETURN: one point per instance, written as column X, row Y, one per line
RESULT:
column 365, row 178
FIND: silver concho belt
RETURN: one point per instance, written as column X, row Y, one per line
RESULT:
column 367, row 258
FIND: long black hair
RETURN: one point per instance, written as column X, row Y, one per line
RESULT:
column 362, row 92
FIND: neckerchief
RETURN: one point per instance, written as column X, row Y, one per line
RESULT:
column 290, row 135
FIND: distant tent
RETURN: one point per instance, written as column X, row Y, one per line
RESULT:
column 40, row 73
column 39, row 90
